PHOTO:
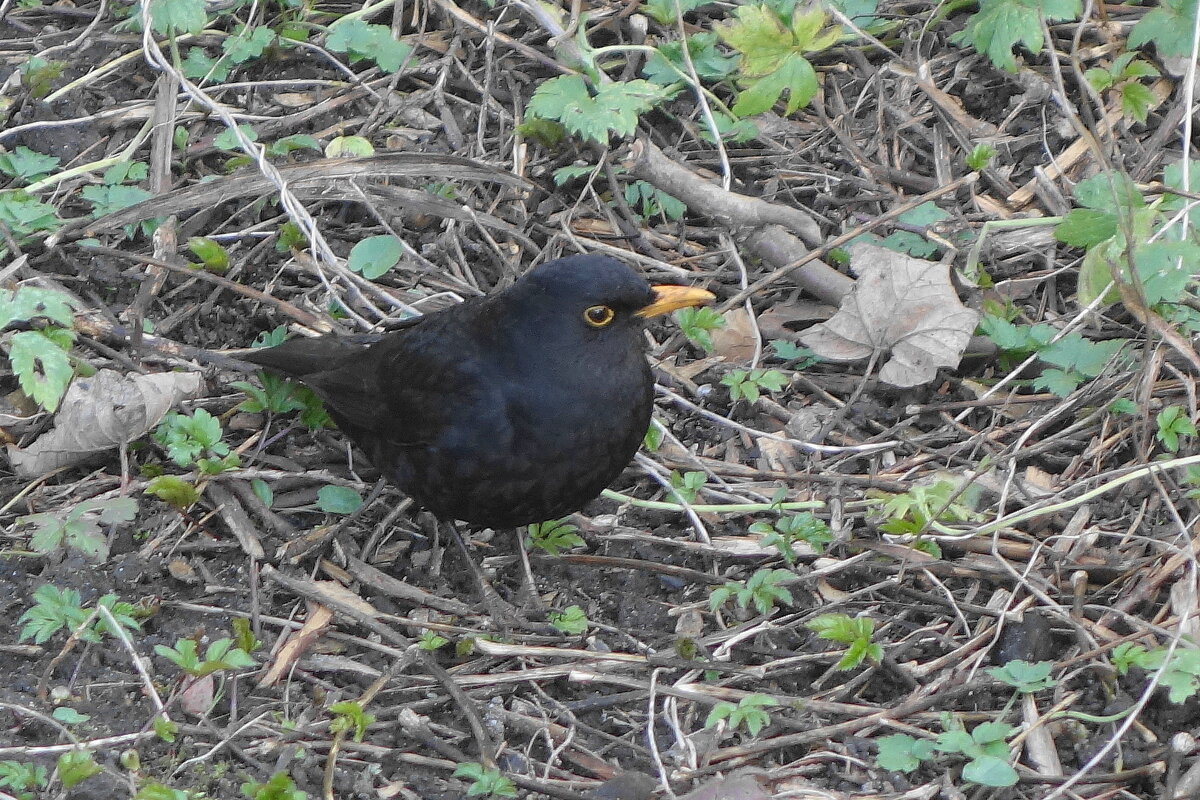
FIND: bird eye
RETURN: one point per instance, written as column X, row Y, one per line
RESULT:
column 598, row 316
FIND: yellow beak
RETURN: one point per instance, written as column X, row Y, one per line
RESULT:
column 669, row 298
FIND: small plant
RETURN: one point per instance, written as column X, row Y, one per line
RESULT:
column 219, row 655
column 431, row 641
column 338, row 499
column 160, row 791
column 115, row 194
column 27, row 217
column 1000, row 25
column 1169, row 26
column 213, row 256
column 595, row 115
column 76, row 766
column 749, row 713
column 1173, row 423
column 1181, row 675
column 792, row 352
column 571, row 620
column 685, row 487
column 243, row 635
column 663, row 11
column 553, row 536
column 987, row 748
column 196, row 439
column 924, row 506
column 485, row 780
column 854, row 632
column 773, row 49
column 174, row 491
column 698, row 324
column 22, row 779
column 78, row 527
column 785, row 532
column 57, row 609
column 38, row 357
column 900, row 752
column 1024, row 676
column 361, row 40
column 279, row 787
column 1123, row 77
column 748, row 385
column 763, row 589
column 374, row 256
column 25, row 165
column 980, row 157
column 38, row 75
column 248, row 45
column 650, row 202
column 350, row 717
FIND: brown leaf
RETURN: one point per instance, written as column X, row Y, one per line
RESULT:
column 733, row 787
column 101, row 413
column 900, row 305
column 737, row 339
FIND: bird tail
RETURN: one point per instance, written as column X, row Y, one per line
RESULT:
column 304, row 356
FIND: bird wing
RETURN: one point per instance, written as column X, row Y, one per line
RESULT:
column 402, row 390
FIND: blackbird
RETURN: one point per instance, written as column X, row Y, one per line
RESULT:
column 504, row 410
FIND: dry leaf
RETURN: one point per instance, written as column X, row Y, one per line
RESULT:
column 733, row 787
column 737, row 339
column 901, row 305
column 101, row 413
column 782, row 320
column 196, row 699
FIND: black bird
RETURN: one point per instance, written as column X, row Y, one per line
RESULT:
column 505, row 410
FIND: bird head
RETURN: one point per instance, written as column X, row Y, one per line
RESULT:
column 597, row 295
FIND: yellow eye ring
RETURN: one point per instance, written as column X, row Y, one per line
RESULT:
column 598, row 316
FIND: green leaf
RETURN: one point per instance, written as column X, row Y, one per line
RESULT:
column 227, row 140
column 1136, row 101
column 900, row 752
column 126, row 171
column 1109, row 191
column 1059, row 383
column 1099, row 79
column 663, row 11
column 76, row 766
column 615, row 107
column 262, row 491
column 795, row 76
column 198, row 65
column 178, row 16
column 42, row 367
column 375, row 255
column 26, row 216
column 1073, row 351
column 1169, row 26
column 108, row 199
column 990, row 771
column 26, row 165
column 338, row 500
column 1000, row 25
column 1084, row 227
column 667, row 62
column 361, row 40
column 210, row 252
column 571, row 621
column 33, row 302
column 1165, row 268
column 250, row 43
column 69, row 716
column 174, row 491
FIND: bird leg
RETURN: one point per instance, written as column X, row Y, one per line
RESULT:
column 527, row 591
column 503, row 613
